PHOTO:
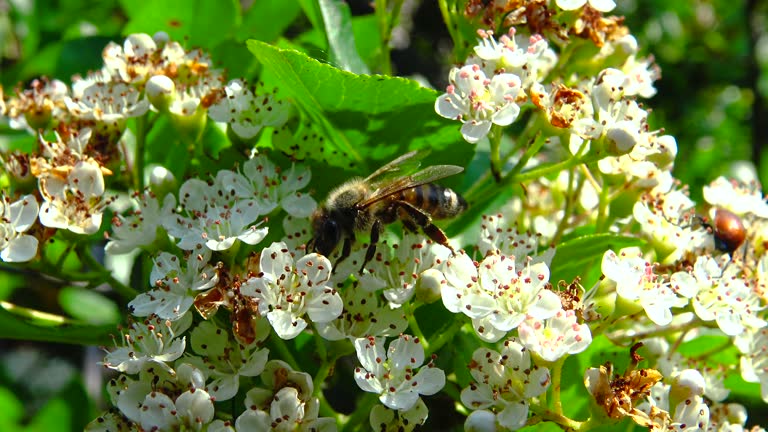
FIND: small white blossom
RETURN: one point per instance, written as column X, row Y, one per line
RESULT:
column 282, row 411
column 397, row 270
column 478, row 101
column 496, row 236
column 665, row 220
column 131, row 63
column 16, row 218
column 393, row 374
column 247, row 110
column 636, row 282
column 151, row 341
column 139, row 228
column 212, row 216
column 497, row 295
column 741, row 199
column 74, row 201
column 286, row 291
column 504, row 382
column 365, row 314
column 111, row 103
column 174, row 287
column 731, row 303
column 555, row 337
column 389, row 420
column 223, row 361
column 531, row 60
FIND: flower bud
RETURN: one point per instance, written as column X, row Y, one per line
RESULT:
column 161, row 180
column 190, row 375
column 428, row 286
column 161, row 38
column 480, row 421
column 161, row 91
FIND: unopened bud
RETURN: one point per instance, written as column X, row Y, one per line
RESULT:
column 161, row 91
column 480, row 421
column 428, row 286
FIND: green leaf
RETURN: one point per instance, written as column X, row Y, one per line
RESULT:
column 338, row 29
column 367, row 38
column 267, row 20
column 364, row 117
column 201, row 23
column 26, row 324
column 12, row 409
column 89, row 306
column 55, row 415
column 575, row 256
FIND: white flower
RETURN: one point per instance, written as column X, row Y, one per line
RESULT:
column 754, row 361
column 665, row 219
column 112, row 103
column 530, row 60
column 478, row 102
column 288, row 290
column 497, row 236
column 731, row 303
column 223, row 361
column 640, row 77
column 504, row 382
column 139, row 228
column 131, row 63
column 600, row 5
column 212, row 216
column 248, row 111
column 555, row 337
column 739, row 198
column 151, row 341
column 388, row 420
column 74, row 201
column 397, row 270
column 393, row 375
column 268, row 186
column 37, row 107
column 192, row 410
column 175, row 287
column 365, row 314
column 16, row 219
column 283, row 411
column 497, row 296
column 636, row 281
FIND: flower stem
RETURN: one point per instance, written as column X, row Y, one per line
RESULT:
column 362, row 411
column 138, row 157
column 285, row 354
column 445, row 335
column 123, row 290
column 495, row 138
column 452, row 27
column 410, row 312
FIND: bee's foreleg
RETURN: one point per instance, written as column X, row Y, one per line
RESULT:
column 375, row 231
column 346, row 249
column 422, row 219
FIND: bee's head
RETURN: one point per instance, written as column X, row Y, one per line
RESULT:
column 327, row 232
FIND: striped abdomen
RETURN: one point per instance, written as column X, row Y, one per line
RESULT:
column 439, row 202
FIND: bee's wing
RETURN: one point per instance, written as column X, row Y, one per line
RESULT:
column 427, row 175
column 401, row 166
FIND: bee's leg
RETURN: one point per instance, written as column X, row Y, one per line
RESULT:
column 422, row 219
column 346, row 249
column 375, row 231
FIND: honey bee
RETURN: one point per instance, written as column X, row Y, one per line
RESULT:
column 387, row 195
